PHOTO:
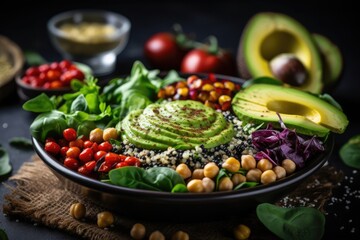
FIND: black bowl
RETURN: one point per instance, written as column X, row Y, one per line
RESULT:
column 180, row 206
column 26, row 91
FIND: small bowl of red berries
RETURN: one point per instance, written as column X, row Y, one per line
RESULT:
column 50, row 78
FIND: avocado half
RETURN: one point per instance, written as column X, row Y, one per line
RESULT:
column 298, row 109
column 270, row 34
column 331, row 57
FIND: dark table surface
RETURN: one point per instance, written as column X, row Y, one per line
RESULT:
column 225, row 19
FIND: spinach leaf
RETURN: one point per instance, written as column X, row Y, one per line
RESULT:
column 79, row 104
column 3, row 235
column 85, row 127
column 299, row 223
column 48, row 123
column 163, row 178
column 179, row 188
column 156, row 179
column 133, row 92
column 5, row 166
column 33, row 58
column 222, row 173
column 245, row 185
column 131, row 177
column 21, row 142
column 350, row 152
column 39, row 104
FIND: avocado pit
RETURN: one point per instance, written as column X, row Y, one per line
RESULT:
column 289, row 69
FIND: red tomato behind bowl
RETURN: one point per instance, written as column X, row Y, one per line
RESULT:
column 201, row 60
column 164, row 52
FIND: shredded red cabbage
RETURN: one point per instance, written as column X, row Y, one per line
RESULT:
column 276, row 145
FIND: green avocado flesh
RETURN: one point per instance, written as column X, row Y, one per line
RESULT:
column 332, row 59
column 268, row 35
column 298, row 109
column 178, row 124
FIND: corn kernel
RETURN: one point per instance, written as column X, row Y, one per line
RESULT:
column 209, row 104
column 213, row 96
column 181, row 84
column 224, row 98
column 183, row 91
column 207, row 87
column 170, row 90
column 203, row 96
column 229, row 85
column 218, row 85
column 161, row 93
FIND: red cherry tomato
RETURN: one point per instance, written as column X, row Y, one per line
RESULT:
column 52, row 148
column 111, row 158
column 163, row 52
column 86, row 155
column 199, row 60
column 71, row 163
column 69, row 134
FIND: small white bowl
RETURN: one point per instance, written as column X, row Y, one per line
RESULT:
column 92, row 37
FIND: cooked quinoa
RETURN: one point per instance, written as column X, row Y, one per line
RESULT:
column 198, row 157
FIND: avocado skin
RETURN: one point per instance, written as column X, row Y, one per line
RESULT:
column 289, row 26
column 299, row 110
column 332, row 60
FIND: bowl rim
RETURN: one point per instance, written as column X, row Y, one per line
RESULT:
column 125, row 27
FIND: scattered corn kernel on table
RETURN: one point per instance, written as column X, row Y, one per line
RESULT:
column 225, row 20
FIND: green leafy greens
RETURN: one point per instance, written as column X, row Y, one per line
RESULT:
column 156, row 179
column 350, row 152
column 299, row 223
column 89, row 106
column 5, row 166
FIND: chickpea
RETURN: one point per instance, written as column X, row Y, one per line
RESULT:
column 96, row 135
column 238, row 178
column 264, row 164
column 195, row 185
column 253, row 175
column 198, row 174
column 105, row 219
column 242, row 232
column 289, row 166
column 77, row 210
column 211, row 170
column 248, row 162
column 156, row 235
column 180, row 235
column 208, row 184
column 231, row 164
column 138, row 231
column 279, row 171
column 183, row 170
column 225, row 184
column 268, row 176
column 110, row 133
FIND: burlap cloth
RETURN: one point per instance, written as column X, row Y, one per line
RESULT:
column 35, row 194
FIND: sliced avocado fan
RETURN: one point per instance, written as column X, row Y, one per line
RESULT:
column 299, row 110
